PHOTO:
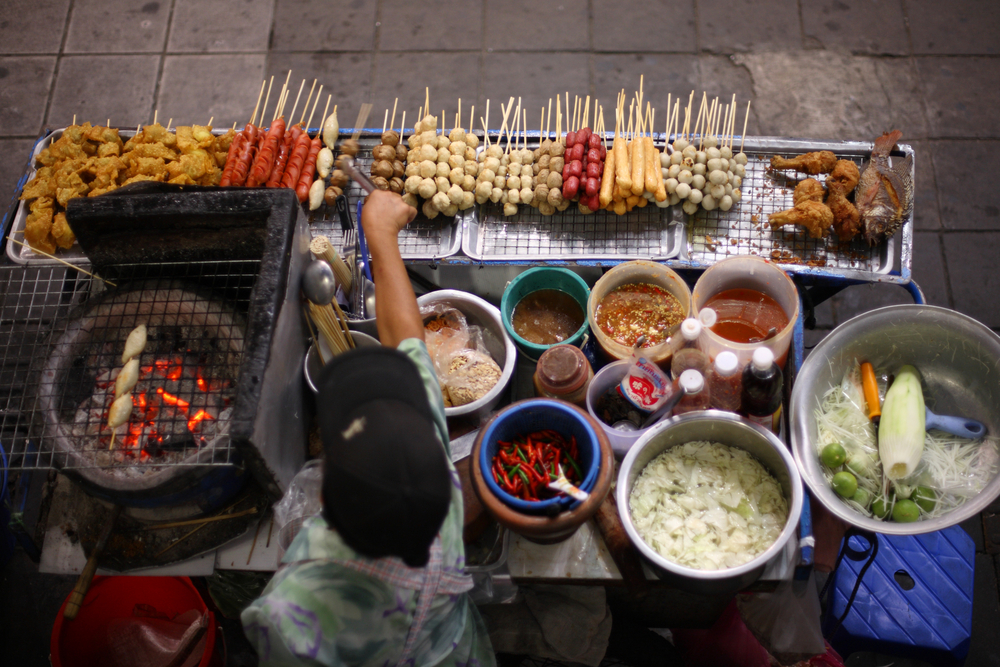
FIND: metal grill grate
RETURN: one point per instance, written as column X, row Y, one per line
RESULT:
column 61, row 339
column 422, row 240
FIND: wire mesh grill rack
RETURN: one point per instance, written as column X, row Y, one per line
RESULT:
column 62, row 335
column 715, row 235
column 422, row 240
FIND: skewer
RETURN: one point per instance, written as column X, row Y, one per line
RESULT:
column 255, row 534
column 169, row 123
column 558, row 117
column 62, row 261
column 196, row 522
column 402, row 123
column 311, row 113
column 385, row 119
column 156, row 113
column 362, row 119
column 586, row 113
column 427, row 99
column 745, row 119
column 517, row 114
column 195, row 530
column 567, row 112
column 301, row 86
column 263, row 112
column 732, row 123
column 687, row 117
column 109, row 122
column 472, row 119
column 524, row 140
column 393, row 121
column 313, row 336
column 209, row 121
column 306, row 107
column 458, row 116
column 270, row 527
column 342, row 319
column 74, row 120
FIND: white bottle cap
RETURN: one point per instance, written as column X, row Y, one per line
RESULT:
column 692, row 381
column 763, row 358
column 707, row 317
column 726, row 363
column 691, row 329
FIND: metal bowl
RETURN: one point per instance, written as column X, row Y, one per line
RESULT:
column 728, row 429
column 958, row 359
column 486, row 316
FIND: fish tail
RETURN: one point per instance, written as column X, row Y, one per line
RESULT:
column 884, row 144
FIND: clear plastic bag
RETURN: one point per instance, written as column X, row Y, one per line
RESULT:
column 302, row 500
column 463, row 365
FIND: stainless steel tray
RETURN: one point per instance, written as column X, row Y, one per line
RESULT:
column 598, row 238
column 713, row 235
column 423, row 240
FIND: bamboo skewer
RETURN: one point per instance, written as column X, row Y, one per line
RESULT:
column 745, row 119
column 195, row 522
column 393, row 121
column 291, row 116
column 385, row 119
column 306, row 107
column 62, row 261
column 319, row 94
column 267, row 98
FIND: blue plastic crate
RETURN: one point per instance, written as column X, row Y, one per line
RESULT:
column 931, row 621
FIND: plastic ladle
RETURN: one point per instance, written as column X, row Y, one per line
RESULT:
column 960, row 426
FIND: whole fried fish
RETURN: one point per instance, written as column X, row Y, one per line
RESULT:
column 885, row 194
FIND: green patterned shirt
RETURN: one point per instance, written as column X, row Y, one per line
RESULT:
column 315, row 611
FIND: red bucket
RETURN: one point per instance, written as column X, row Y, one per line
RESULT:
column 84, row 641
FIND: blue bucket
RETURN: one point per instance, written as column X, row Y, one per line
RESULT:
column 533, row 280
column 539, row 414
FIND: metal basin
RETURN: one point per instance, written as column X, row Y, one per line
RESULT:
column 728, row 429
column 958, row 359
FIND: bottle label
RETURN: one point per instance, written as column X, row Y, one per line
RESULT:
column 771, row 422
column 645, row 385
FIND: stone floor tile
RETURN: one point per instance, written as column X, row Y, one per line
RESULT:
column 220, row 26
column 983, row 648
column 673, row 74
column 859, row 299
column 645, row 26
column 925, row 200
column 966, row 192
column 552, row 25
column 452, row 25
column 722, row 76
column 725, row 26
column 24, row 90
column 306, row 25
column 16, row 153
column 345, row 76
column 127, row 98
column 928, row 268
column 792, row 95
column 962, row 95
column 859, row 26
column 541, row 76
column 226, row 87
column 31, row 602
column 967, row 27
column 42, row 34
column 971, row 258
column 117, row 26
column 404, row 75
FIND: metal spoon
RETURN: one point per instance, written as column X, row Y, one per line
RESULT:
column 318, row 283
column 369, row 296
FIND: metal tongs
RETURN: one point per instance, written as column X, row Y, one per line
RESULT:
column 347, row 166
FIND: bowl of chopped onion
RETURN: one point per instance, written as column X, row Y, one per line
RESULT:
column 901, row 477
column 709, row 499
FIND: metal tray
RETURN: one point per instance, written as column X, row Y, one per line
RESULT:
column 423, row 240
column 570, row 236
column 713, row 235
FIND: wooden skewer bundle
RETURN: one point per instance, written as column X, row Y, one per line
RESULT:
column 323, row 249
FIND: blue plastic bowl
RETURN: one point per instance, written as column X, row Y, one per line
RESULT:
column 538, row 414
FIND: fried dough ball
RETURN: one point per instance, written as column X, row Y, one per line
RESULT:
column 428, row 188
column 398, row 170
column 427, row 152
column 456, row 162
column 527, row 196
column 396, row 185
column 450, row 210
column 442, row 184
column 429, row 210
column 471, row 168
column 483, row 190
column 457, row 148
column 468, row 201
column 349, row 147
column 411, row 200
column 338, row 179
column 441, row 201
column 382, row 168
column 491, row 163
column 509, row 209
column 487, row 175
column 390, row 138
column 412, row 184
column 443, row 155
column 496, row 195
column 384, row 153
column 427, row 169
column 401, row 152
column 456, row 176
column 468, row 183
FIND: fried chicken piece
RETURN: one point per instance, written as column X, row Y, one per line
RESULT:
column 844, row 178
column 815, row 216
column 821, row 162
column 38, row 225
column 61, row 232
column 846, row 219
column 808, row 190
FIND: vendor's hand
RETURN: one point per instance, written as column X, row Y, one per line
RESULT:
column 383, row 216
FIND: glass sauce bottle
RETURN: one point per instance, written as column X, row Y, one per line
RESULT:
column 725, row 382
column 690, row 356
column 760, row 400
column 563, row 372
column 695, row 393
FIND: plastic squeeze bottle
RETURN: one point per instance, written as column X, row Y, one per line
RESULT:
column 760, row 400
column 725, row 382
column 690, row 356
column 695, row 393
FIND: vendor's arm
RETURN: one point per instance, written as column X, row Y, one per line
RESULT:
column 383, row 216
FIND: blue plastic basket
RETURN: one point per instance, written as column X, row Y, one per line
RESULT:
column 536, row 415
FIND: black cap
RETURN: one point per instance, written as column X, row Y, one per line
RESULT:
column 386, row 484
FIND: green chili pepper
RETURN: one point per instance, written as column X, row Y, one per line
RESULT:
column 575, row 466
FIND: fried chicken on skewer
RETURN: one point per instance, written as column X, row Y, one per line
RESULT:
column 815, row 216
column 821, row 162
column 808, row 190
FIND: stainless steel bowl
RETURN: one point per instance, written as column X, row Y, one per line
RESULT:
column 486, row 316
column 728, row 429
column 958, row 359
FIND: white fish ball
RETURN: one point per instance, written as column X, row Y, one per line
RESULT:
column 718, row 191
column 736, row 181
column 711, row 141
column 456, row 176
column 690, row 207
column 741, row 158
column 509, row 209
column 714, row 164
column 412, row 184
column 441, row 201
column 468, row 183
column 717, row 177
column 726, row 152
column 495, row 195
column 726, row 203
column 686, row 177
column 427, row 169
column 455, row 194
column 472, row 140
column 457, row 148
column 428, row 152
column 468, row 201
column 456, row 162
column 430, row 210
column 712, row 152
column 671, row 184
column 740, row 170
column 699, row 168
column 698, row 182
column 700, row 157
column 709, row 203
column 441, row 170
column 443, row 184
column 527, row 196
column 676, row 158
column 674, row 199
column 471, row 168
column 487, row 175
column 527, row 170
column 501, row 170
column 412, row 169
column 427, row 188
column 514, row 183
column 674, row 170
column 736, row 196
column 514, row 196
column 695, row 196
column 690, row 152
column 494, row 151
column 664, row 160
column 491, row 163
column 683, row 190
column 443, row 154
column 681, row 144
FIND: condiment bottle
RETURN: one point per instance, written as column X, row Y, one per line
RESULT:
column 690, row 356
column 696, row 395
column 760, row 398
column 708, row 317
column 725, row 383
column 563, row 372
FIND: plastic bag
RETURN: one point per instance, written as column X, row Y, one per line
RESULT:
column 302, row 500
column 156, row 640
column 645, row 385
column 786, row 621
column 463, row 365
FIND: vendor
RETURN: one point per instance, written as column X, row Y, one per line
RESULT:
column 378, row 578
